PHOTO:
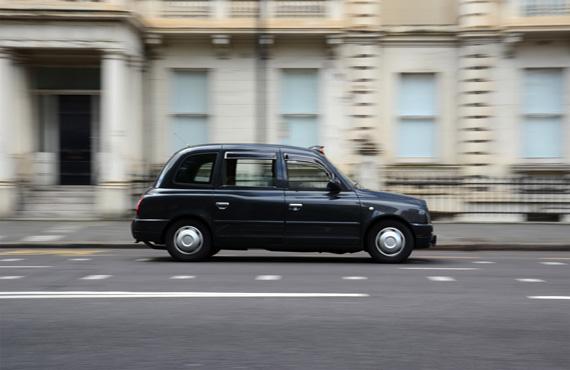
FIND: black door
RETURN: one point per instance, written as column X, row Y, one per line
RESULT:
column 315, row 218
column 249, row 207
column 75, row 139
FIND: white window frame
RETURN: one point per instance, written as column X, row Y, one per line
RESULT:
column 284, row 116
column 402, row 117
column 524, row 116
column 171, row 115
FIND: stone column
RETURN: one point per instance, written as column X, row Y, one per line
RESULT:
column 8, row 191
column 135, row 117
column 113, row 192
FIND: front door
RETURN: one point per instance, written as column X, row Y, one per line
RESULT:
column 317, row 219
column 249, row 206
column 75, row 139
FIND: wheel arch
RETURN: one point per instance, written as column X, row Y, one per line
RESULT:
column 387, row 217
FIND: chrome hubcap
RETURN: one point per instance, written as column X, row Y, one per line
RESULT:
column 390, row 241
column 188, row 240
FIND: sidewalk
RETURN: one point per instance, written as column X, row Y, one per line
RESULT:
column 116, row 234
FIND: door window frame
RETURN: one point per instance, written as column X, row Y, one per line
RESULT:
column 306, row 159
column 181, row 185
column 251, row 154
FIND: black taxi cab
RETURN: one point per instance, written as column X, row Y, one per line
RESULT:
column 274, row 197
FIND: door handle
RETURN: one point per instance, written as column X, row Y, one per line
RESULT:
column 222, row 205
column 295, row 206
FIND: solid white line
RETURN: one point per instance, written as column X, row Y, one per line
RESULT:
column 11, row 259
column 41, row 238
column 526, row 280
column 484, row 262
column 80, row 259
column 553, row 263
column 441, row 278
column 549, row 297
column 182, row 277
column 354, row 278
column 268, row 277
column 440, row 268
column 63, row 295
column 95, row 277
column 10, row 277
column 24, row 267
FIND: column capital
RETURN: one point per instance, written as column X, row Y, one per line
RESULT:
column 6, row 53
column 137, row 62
column 114, row 54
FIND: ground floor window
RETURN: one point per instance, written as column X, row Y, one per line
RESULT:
column 188, row 102
column 416, row 115
column 543, row 109
column 299, row 95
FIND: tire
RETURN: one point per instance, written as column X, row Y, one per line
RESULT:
column 214, row 251
column 189, row 240
column 390, row 241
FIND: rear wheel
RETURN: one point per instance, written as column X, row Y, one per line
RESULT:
column 189, row 240
column 390, row 241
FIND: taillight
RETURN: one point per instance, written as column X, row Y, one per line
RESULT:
column 138, row 207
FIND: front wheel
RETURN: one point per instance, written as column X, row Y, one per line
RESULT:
column 189, row 240
column 390, row 241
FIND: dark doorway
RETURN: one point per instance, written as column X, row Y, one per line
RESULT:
column 75, row 139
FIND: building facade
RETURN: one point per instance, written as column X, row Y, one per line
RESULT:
column 95, row 95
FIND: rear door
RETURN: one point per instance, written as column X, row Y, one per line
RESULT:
column 250, row 201
column 316, row 218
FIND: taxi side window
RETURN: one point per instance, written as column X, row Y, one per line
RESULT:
column 306, row 176
column 196, row 169
column 250, row 172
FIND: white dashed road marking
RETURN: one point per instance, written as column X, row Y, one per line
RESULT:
column 13, row 277
column 563, row 297
column 63, row 295
column 41, row 238
column 64, row 229
column 553, row 263
column 95, row 277
column 268, row 277
column 483, row 262
column 525, row 280
column 441, row 278
column 11, row 259
column 182, row 277
column 142, row 259
column 354, row 278
column 440, row 268
column 80, row 259
column 24, row 267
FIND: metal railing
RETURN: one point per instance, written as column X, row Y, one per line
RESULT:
column 534, row 198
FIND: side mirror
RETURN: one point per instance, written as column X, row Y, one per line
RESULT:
column 334, row 186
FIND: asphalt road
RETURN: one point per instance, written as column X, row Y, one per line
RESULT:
column 137, row 309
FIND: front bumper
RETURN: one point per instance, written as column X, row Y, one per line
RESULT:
column 425, row 238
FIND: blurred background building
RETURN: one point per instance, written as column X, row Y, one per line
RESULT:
column 462, row 102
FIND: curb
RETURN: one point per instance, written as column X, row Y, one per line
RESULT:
column 555, row 247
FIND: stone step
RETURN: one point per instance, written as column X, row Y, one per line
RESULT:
column 61, row 199
column 40, row 207
column 57, row 214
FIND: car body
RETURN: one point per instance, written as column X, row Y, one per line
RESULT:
column 274, row 197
